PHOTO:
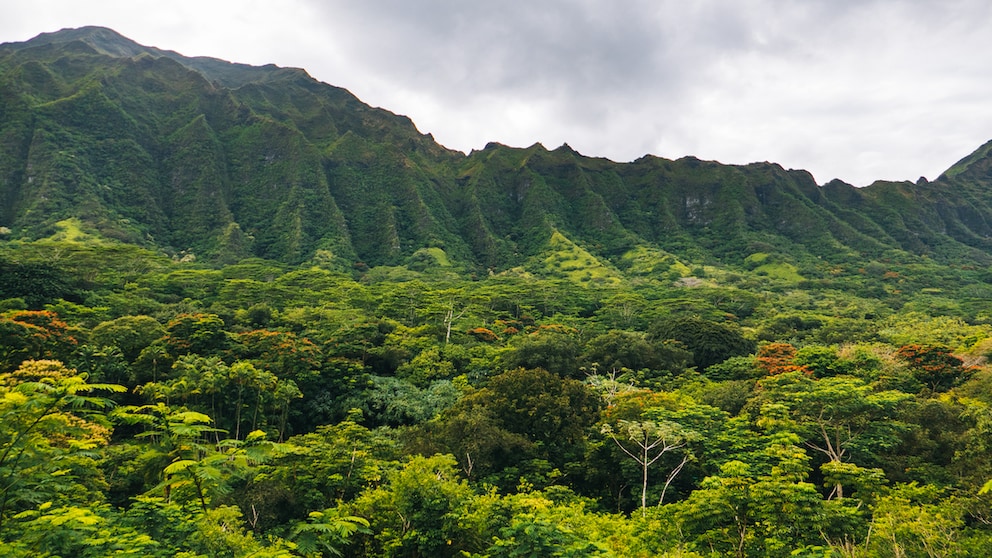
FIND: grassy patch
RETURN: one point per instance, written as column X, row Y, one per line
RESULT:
column 781, row 271
column 647, row 261
column 772, row 266
column 71, row 230
column 566, row 260
column 440, row 256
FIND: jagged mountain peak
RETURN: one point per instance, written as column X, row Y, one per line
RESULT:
column 102, row 39
column 228, row 160
column 979, row 163
column 107, row 42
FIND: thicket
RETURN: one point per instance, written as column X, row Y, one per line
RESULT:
column 158, row 408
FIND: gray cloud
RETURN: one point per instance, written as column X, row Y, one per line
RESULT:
column 852, row 89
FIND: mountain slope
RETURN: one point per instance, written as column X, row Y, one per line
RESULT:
column 226, row 161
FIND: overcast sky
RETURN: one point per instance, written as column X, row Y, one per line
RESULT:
column 852, row 89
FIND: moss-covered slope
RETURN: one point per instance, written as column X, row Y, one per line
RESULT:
column 225, row 161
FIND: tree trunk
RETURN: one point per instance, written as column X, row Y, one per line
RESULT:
column 644, row 485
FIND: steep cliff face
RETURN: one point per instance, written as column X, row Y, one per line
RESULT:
column 228, row 161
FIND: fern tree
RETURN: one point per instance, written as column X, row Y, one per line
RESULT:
column 51, row 426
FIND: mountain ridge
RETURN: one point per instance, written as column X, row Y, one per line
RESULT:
column 228, row 161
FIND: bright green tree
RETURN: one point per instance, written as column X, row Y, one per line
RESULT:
column 418, row 511
column 51, row 422
column 841, row 417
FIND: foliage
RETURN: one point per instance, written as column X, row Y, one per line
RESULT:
column 710, row 342
column 934, row 366
column 51, row 429
column 243, row 314
column 35, row 283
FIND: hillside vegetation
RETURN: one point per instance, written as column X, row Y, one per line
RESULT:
column 219, row 161
column 244, row 314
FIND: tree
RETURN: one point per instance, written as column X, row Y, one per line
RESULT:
column 624, row 309
column 710, row 342
column 190, row 464
column 131, row 334
column 427, row 366
column 778, row 358
column 285, row 354
column 418, row 511
column 397, row 402
column 174, row 436
column 934, row 365
column 837, row 416
column 33, row 335
column 531, row 535
column 220, row 531
column 616, row 350
column 223, row 391
column 707, row 435
column 328, row 532
column 648, row 441
column 556, row 351
column 285, row 393
column 523, row 420
column 50, row 416
column 822, row 361
column 212, row 469
column 912, row 520
column 547, row 409
column 764, row 507
column 718, row 513
column 36, row 283
column 244, row 377
column 89, row 530
column 335, row 462
column 198, row 333
column 19, row 342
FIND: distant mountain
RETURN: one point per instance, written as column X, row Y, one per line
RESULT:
column 226, row 161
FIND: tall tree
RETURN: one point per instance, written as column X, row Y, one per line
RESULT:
column 841, row 417
column 646, row 442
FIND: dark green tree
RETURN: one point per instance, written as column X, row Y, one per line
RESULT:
column 710, row 342
column 555, row 351
column 130, row 334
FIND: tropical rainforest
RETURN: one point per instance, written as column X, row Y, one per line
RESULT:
column 244, row 314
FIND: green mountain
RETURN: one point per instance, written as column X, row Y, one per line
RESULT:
column 226, row 161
